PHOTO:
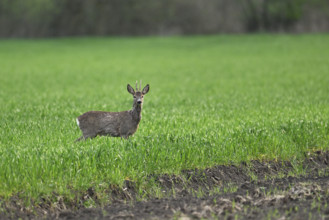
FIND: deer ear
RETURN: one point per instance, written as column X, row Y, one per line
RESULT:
column 146, row 89
column 130, row 89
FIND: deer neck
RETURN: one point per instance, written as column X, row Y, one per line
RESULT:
column 137, row 113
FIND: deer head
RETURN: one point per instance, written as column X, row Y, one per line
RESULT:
column 138, row 94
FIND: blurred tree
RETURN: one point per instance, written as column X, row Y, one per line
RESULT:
column 271, row 15
column 25, row 18
column 44, row 18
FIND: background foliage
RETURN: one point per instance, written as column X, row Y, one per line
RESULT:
column 48, row 18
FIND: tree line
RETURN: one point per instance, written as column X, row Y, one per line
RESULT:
column 53, row 18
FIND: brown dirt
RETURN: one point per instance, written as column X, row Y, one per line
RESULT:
column 224, row 192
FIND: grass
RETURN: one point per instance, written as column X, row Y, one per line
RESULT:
column 212, row 100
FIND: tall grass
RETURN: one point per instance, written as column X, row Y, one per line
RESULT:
column 212, row 100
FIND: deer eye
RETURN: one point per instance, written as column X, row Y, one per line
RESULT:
column 134, row 97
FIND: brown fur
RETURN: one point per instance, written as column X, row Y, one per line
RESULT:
column 115, row 124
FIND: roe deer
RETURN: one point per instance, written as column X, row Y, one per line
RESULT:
column 115, row 124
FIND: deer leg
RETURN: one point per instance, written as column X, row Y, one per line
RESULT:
column 85, row 137
column 125, row 137
column 79, row 139
column 90, row 135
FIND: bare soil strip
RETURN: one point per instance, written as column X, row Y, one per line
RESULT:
column 259, row 190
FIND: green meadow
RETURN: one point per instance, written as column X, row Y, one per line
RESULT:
column 213, row 100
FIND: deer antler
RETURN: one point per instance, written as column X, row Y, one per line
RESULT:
column 136, row 86
column 140, row 85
